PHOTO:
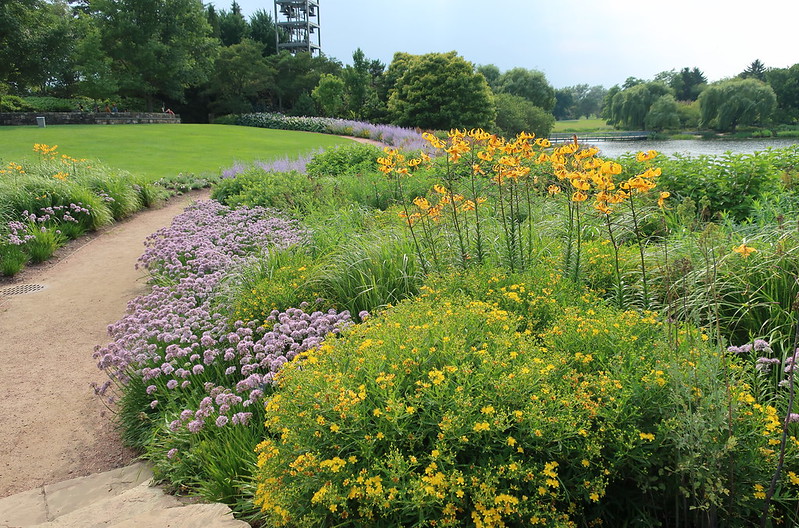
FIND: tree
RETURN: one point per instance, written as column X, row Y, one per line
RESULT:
column 233, row 28
column 663, row 114
column 329, row 95
column 785, row 83
column 264, row 31
column 241, row 75
column 157, row 48
column 530, row 84
column 441, row 91
column 725, row 105
column 516, row 114
column 361, row 84
column 688, row 84
column 491, row 73
column 564, row 104
column 629, row 107
column 756, row 70
column 298, row 74
column 36, row 44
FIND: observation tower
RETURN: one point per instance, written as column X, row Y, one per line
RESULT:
column 297, row 22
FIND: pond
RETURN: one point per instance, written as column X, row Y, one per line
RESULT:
column 693, row 147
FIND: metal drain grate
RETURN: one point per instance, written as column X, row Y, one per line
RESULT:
column 21, row 289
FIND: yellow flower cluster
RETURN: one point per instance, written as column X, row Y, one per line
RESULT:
column 45, row 150
column 13, row 167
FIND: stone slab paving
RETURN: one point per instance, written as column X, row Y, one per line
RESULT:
column 123, row 498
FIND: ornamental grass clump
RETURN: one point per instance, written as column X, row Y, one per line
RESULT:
column 451, row 410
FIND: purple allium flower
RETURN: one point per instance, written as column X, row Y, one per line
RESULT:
column 221, row 421
column 171, row 453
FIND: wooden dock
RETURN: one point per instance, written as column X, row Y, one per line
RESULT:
column 639, row 135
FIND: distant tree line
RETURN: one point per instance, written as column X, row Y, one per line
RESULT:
column 758, row 96
column 201, row 62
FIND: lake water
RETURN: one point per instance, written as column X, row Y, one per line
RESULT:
column 693, row 147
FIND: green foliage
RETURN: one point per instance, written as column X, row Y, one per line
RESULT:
column 725, row 105
column 516, row 114
column 12, row 259
column 53, row 104
column 277, row 280
column 629, row 108
column 440, row 91
column 240, row 76
column 156, row 48
column 258, row 187
column 12, row 103
column 785, row 83
column 329, row 95
column 368, row 273
column 728, row 184
column 442, row 410
column 530, row 84
column 350, row 159
column 663, row 114
column 44, row 243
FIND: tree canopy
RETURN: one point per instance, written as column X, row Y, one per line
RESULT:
column 156, row 47
column 530, row 84
column 440, row 91
column 726, row 105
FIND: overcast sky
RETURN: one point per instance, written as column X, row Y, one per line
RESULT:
column 571, row 41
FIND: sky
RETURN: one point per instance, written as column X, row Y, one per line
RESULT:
column 594, row 42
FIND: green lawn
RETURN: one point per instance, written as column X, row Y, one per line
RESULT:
column 581, row 126
column 162, row 150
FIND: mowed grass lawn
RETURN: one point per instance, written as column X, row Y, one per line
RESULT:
column 163, row 150
column 581, row 125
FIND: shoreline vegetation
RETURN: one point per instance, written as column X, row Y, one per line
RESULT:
column 588, row 126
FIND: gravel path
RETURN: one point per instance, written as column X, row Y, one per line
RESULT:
column 52, row 426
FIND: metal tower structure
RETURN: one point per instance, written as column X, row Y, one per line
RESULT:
column 298, row 22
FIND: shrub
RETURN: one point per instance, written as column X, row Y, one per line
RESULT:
column 355, row 159
column 441, row 412
column 12, row 103
column 281, row 190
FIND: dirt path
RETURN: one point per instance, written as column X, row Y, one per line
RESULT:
column 52, row 426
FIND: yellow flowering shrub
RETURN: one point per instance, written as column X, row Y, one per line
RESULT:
column 451, row 410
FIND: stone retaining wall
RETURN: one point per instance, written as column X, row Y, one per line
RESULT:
column 87, row 118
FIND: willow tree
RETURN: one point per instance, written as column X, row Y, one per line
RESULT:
column 726, row 105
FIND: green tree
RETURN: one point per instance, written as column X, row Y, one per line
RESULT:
column 688, row 84
column 36, row 44
column 329, row 95
column 362, row 81
column 298, row 74
column 629, row 107
column 663, row 114
column 158, row 48
column 233, row 28
column 726, row 105
column 441, row 91
column 530, row 84
column 264, row 31
column 564, row 104
column 516, row 114
column 93, row 67
column 785, row 83
column 241, row 76
column 491, row 73
column 756, row 70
